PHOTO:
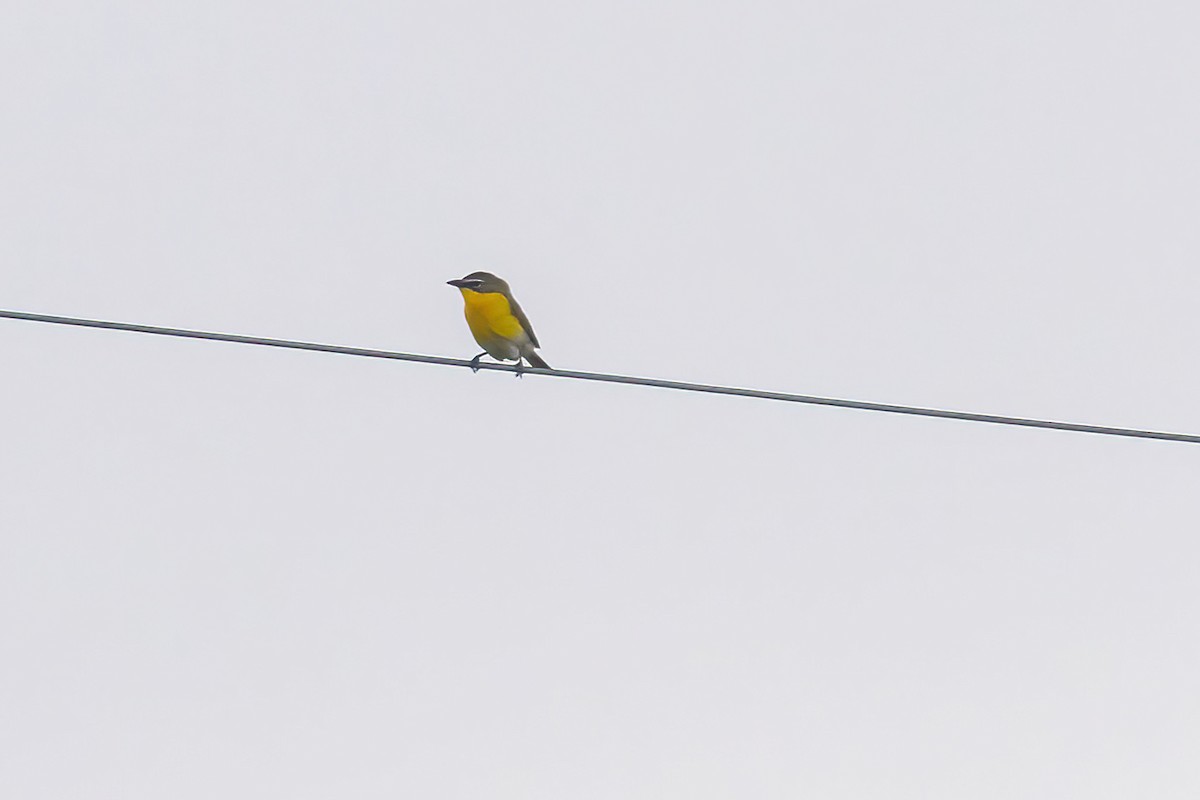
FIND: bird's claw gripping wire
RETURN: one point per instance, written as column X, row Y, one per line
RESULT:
column 475, row 361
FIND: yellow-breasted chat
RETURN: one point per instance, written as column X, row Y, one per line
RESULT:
column 497, row 321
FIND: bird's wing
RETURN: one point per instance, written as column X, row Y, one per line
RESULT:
column 524, row 320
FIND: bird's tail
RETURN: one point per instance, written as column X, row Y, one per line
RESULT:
column 535, row 360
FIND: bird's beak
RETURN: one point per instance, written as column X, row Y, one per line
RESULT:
column 458, row 282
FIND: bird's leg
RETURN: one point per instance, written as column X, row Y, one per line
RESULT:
column 520, row 369
column 475, row 361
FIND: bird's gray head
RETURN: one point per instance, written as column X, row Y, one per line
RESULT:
column 480, row 282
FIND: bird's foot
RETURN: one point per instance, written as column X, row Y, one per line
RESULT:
column 475, row 361
column 520, row 370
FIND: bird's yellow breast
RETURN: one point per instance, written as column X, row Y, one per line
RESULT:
column 489, row 315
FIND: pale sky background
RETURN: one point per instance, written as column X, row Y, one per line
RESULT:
column 239, row 572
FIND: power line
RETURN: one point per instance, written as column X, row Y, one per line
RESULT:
column 606, row 378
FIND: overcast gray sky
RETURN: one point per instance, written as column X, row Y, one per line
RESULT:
column 237, row 572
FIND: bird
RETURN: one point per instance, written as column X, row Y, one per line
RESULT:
column 497, row 321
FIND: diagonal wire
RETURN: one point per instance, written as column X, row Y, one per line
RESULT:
column 606, row 378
